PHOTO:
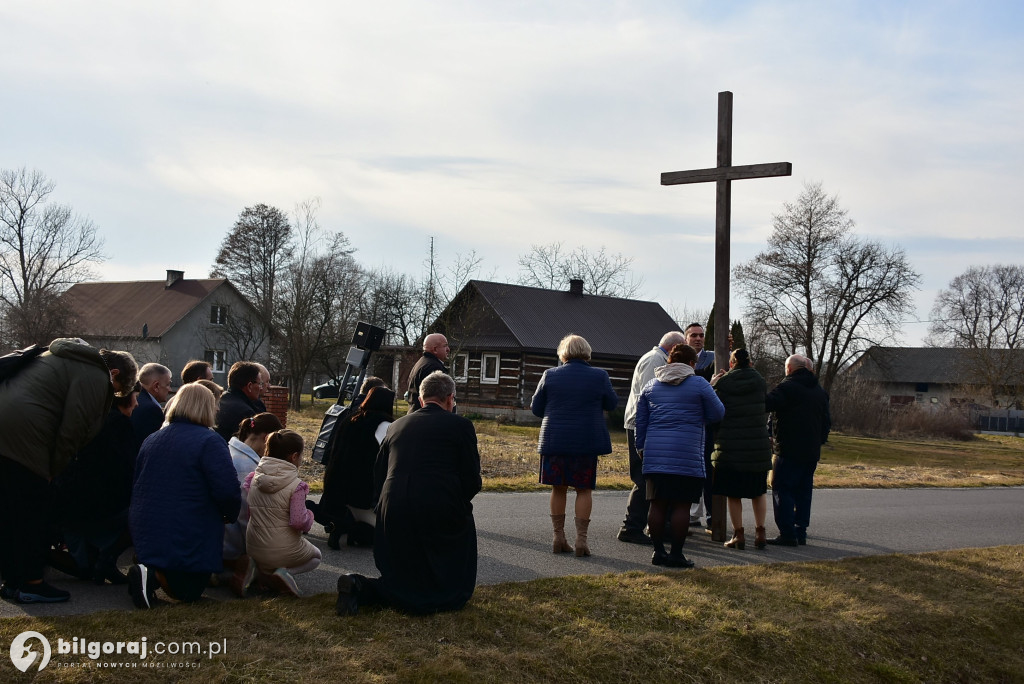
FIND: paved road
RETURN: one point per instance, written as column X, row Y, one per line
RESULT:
column 514, row 539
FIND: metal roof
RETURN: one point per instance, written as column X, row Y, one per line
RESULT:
column 939, row 365
column 536, row 319
column 123, row 308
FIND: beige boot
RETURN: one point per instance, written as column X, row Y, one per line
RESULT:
column 581, row 537
column 560, row 545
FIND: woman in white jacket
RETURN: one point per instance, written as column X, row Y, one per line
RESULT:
column 246, row 449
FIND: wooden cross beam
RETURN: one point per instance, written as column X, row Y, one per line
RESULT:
column 723, row 175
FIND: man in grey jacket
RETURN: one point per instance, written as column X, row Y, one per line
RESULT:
column 48, row 412
column 632, row 529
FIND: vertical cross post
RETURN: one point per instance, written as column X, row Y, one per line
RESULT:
column 723, row 175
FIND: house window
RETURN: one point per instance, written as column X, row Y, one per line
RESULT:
column 460, row 369
column 921, row 387
column 218, row 314
column 490, row 366
column 217, row 359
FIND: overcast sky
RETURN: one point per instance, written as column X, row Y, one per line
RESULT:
column 491, row 126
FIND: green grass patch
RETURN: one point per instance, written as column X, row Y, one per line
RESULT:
column 949, row 616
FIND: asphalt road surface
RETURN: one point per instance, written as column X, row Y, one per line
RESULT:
column 514, row 538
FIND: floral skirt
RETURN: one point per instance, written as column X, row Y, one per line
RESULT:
column 579, row 472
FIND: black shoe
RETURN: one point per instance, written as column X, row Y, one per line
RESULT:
column 680, row 561
column 659, row 557
column 782, row 541
column 41, row 593
column 141, row 585
column 348, row 595
column 8, row 592
column 633, row 537
column 696, row 523
column 334, row 539
column 110, row 574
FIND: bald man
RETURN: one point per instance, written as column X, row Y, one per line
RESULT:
column 800, row 425
column 435, row 353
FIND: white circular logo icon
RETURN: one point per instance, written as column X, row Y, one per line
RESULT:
column 24, row 657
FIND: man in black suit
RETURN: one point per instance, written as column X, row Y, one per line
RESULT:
column 800, row 425
column 435, row 353
column 427, row 473
column 242, row 398
column 148, row 416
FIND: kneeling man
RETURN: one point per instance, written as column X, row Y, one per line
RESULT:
column 426, row 475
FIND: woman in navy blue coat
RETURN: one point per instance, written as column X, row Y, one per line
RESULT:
column 572, row 399
column 671, row 413
column 185, row 491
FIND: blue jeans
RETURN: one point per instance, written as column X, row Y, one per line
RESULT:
column 792, row 484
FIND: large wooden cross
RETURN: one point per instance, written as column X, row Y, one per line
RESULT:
column 723, row 175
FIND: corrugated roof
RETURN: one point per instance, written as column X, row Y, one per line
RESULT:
column 536, row 319
column 123, row 308
column 939, row 365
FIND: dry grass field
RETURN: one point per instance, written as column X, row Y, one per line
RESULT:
column 954, row 616
column 509, row 460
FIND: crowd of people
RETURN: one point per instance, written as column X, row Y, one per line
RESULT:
column 98, row 456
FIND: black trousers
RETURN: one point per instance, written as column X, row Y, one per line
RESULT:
column 637, row 506
column 25, row 504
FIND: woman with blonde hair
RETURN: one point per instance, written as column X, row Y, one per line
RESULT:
column 185, row 490
column 572, row 399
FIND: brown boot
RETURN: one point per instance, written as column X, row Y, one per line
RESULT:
column 559, row 545
column 581, row 537
column 737, row 541
column 759, row 541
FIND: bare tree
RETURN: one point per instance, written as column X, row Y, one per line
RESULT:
column 44, row 249
column 982, row 311
column 316, row 283
column 254, row 254
column 550, row 267
column 820, row 290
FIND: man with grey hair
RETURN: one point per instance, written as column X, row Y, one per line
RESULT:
column 632, row 529
column 427, row 473
column 800, row 425
column 435, row 353
column 148, row 416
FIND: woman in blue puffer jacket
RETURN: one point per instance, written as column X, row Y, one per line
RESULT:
column 572, row 399
column 670, row 417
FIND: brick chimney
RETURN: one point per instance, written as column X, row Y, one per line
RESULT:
column 576, row 287
column 173, row 277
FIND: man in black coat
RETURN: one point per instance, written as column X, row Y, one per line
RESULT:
column 435, row 353
column 241, row 400
column 427, row 473
column 148, row 416
column 800, row 425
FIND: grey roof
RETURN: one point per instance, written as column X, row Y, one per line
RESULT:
column 937, row 365
column 536, row 319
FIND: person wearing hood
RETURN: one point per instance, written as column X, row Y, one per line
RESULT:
column 51, row 409
column 278, row 516
column 742, row 455
column 671, row 414
column 800, row 426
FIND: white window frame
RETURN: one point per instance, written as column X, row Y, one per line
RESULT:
column 484, row 378
column 460, row 368
column 218, row 314
column 217, row 358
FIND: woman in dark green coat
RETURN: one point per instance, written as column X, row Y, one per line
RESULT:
column 742, row 456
